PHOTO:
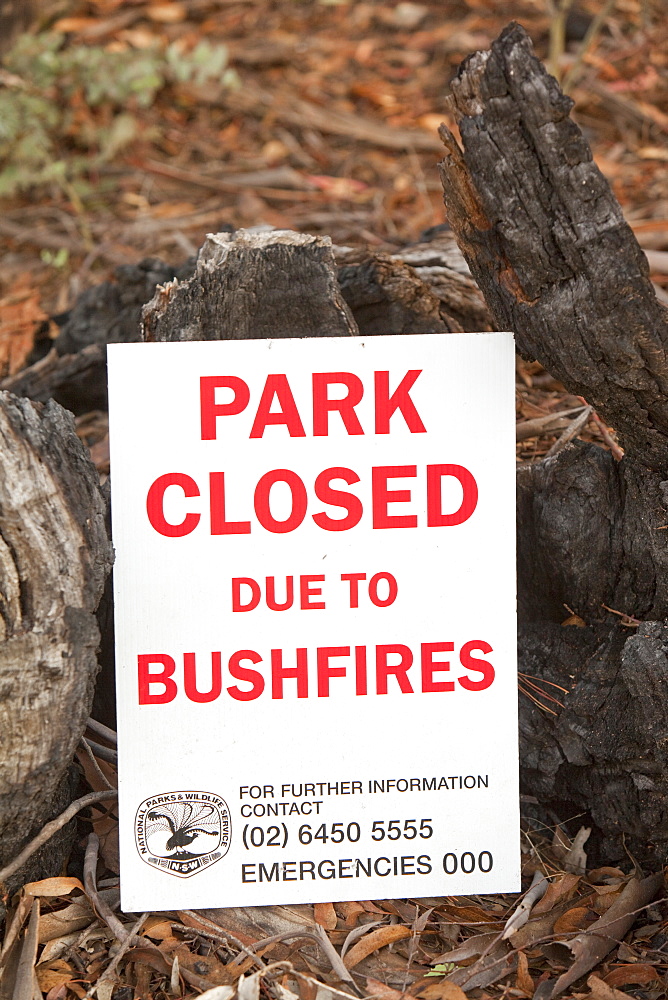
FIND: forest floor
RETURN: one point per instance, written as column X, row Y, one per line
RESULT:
column 141, row 126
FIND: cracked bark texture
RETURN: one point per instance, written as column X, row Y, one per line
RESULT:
column 547, row 243
column 247, row 286
column 54, row 558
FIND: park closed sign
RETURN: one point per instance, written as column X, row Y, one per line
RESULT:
column 315, row 619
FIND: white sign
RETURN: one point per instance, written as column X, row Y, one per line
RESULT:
column 315, row 619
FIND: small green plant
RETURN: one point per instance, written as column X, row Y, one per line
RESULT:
column 59, row 259
column 442, row 970
column 65, row 110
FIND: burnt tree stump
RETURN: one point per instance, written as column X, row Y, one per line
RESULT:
column 547, row 243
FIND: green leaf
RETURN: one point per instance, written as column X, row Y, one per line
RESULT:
column 442, row 970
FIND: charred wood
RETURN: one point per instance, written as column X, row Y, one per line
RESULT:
column 547, row 243
column 248, row 286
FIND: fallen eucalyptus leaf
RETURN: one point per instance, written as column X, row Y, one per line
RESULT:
column 590, row 947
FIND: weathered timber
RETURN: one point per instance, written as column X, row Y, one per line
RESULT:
column 54, row 558
column 546, row 240
column 547, row 243
column 395, row 293
column 387, row 296
column 252, row 285
column 439, row 262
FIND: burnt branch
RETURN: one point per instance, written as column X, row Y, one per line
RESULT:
column 547, row 242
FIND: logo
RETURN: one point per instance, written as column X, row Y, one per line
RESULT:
column 183, row 832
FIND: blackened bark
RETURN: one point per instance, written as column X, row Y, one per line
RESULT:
column 76, row 381
column 427, row 287
column 546, row 241
column 74, row 371
column 252, row 285
column 590, row 533
column 606, row 753
column 548, row 245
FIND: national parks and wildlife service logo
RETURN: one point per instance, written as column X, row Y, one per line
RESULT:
column 183, row 832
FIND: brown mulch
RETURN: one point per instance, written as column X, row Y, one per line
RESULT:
column 332, row 128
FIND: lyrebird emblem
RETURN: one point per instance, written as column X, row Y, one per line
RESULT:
column 185, row 822
column 182, row 832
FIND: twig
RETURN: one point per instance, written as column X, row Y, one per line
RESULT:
column 571, row 431
column 544, row 680
column 541, row 425
column 535, row 700
column 590, row 37
column 113, row 965
column 628, row 620
column 558, row 35
column 88, row 750
column 105, row 753
column 275, row 938
column 536, row 687
column 102, row 731
column 101, row 908
column 617, row 452
column 53, row 827
column 70, row 953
